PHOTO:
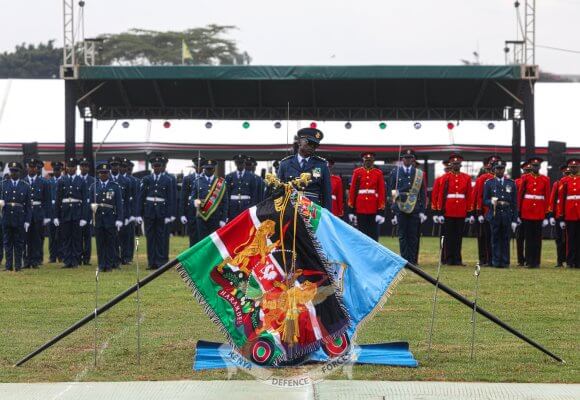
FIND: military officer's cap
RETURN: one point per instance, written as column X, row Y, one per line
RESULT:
column 32, row 162
column 56, row 165
column 408, row 153
column 198, row 161
column 157, row 160
column 491, row 159
column 72, row 162
column 535, row 160
column 455, row 158
column 367, row 154
column 251, row 161
column 104, row 167
column 115, row 160
column 40, row 163
column 163, row 159
column 573, row 162
column 311, row 134
column 125, row 162
column 209, row 164
column 239, row 157
column 563, row 168
column 525, row 165
column 445, row 163
column 84, row 161
column 498, row 164
column 14, row 166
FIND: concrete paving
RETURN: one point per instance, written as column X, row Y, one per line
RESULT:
column 335, row 390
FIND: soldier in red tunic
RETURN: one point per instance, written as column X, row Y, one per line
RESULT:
column 366, row 197
column 480, row 209
column 534, row 195
column 455, row 209
column 560, row 238
column 336, row 190
column 435, row 207
column 569, row 212
column 526, row 168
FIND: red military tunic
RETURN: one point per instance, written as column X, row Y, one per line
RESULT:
column 337, row 195
column 477, row 198
column 370, row 185
column 569, row 198
column 435, row 206
column 553, row 206
column 455, row 195
column 534, row 195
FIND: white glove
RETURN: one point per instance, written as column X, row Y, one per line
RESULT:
column 519, row 221
column 56, row 222
column 436, row 219
column 172, row 219
column 481, row 219
column 222, row 224
column 494, row 201
column 351, row 218
column 197, row 203
column 2, row 203
column 46, row 221
column 126, row 221
column 380, row 219
column 514, row 226
column 26, row 226
column 545, row 223
column 422, row 217
column 167, row 220
column 82, row 223
column 466, row 220
column 441, row 219
column 394, row 221
column 562, row 225
column 131, row 219
column 472, row 220
column 552, row 221
column 139, row 220
column 94, row 207
column 183, row 220
column 119, row 225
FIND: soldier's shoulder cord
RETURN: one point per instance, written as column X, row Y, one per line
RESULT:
column 287, row 157
column 319, row 158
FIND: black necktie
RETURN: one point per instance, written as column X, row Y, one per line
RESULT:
column 302, row 163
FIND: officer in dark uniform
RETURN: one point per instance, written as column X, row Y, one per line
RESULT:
column 87, row 230
column 500, row 195
column 154, row 207
column 125, row 185
column 15, row 204
column 409, row 199
column 242, row 188
column 250, row 168
column 107, row 205
column 1, row 230
column 54, row 242
column 72, row 201
column 212, row 212
column 319, row 190
column 190, row 192
column 127, row 234
column 41, row 206
column 137, row 184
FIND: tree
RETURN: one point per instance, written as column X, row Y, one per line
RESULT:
column 145, row 47
column 30, row 61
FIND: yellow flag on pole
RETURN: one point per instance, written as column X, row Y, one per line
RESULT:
column 185, row 53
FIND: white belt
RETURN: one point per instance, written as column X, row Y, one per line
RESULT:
column 155, row 199
column 240, row 197
column 534, row 197
column 455, row 196
column 573, row 197
column 71, row 200
column 333, row 197
column 369, row 191
column 37, row 203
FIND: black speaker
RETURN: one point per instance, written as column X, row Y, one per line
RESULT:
column 556, row 157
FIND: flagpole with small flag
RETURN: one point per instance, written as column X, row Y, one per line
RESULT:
column 185, row 52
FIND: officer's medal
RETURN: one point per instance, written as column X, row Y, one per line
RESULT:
column 109, row 195
column 508, row 188
column 316, row 172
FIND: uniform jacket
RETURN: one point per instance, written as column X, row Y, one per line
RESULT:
column 174, row 188
column 126, row 186
column 221, row 213
column 319, row 189
column 553, row 206
column 506, row 192
column 89, row 180
column 402, row 181
column 74, row 188
column 569, row 198
column 435, row 206
column 337, row 195
column 187, row 196
column 534, row 197
column 247, row 187
column 478, row 207
column 19, row 193
column 156, row 197
column 367, row 191
column 455, row 195
column 111, row 194
column 40, row 198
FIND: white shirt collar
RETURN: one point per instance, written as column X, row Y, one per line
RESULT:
column 300, row 158
column 104, row 183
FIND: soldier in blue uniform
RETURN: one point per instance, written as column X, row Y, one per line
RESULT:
column 154, row 207
column 15, row 204
column 243, row 188
column 319, row 190
column 72, row 200
column 169, row 226
column 133, row 217
column 125, row 185
column 190, row 192
column 250, row 168
column 41, row 206
column 211, row 203
column 500, row 195
column 87, row 230
column 409, row 199
column 127, row 234
column 54, row 241
column 107, row 205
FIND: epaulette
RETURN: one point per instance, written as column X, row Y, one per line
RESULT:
column 287, row 157
column 319, row 158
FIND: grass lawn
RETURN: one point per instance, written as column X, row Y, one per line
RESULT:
column 542, row 303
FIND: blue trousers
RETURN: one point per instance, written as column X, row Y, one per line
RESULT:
column 500, row 242
column 54, row 243
column 14, row 237
column 34, row 254
column 125, row 239
column 86, row 243
column 70, row 237
column 205, row 228
column 105, row 239
column 409, row 225
column 1, row 243
column 157, row 251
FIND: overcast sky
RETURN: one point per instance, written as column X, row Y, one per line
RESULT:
column 324, row 31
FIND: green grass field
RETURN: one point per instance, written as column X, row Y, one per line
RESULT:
column 543, row 303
